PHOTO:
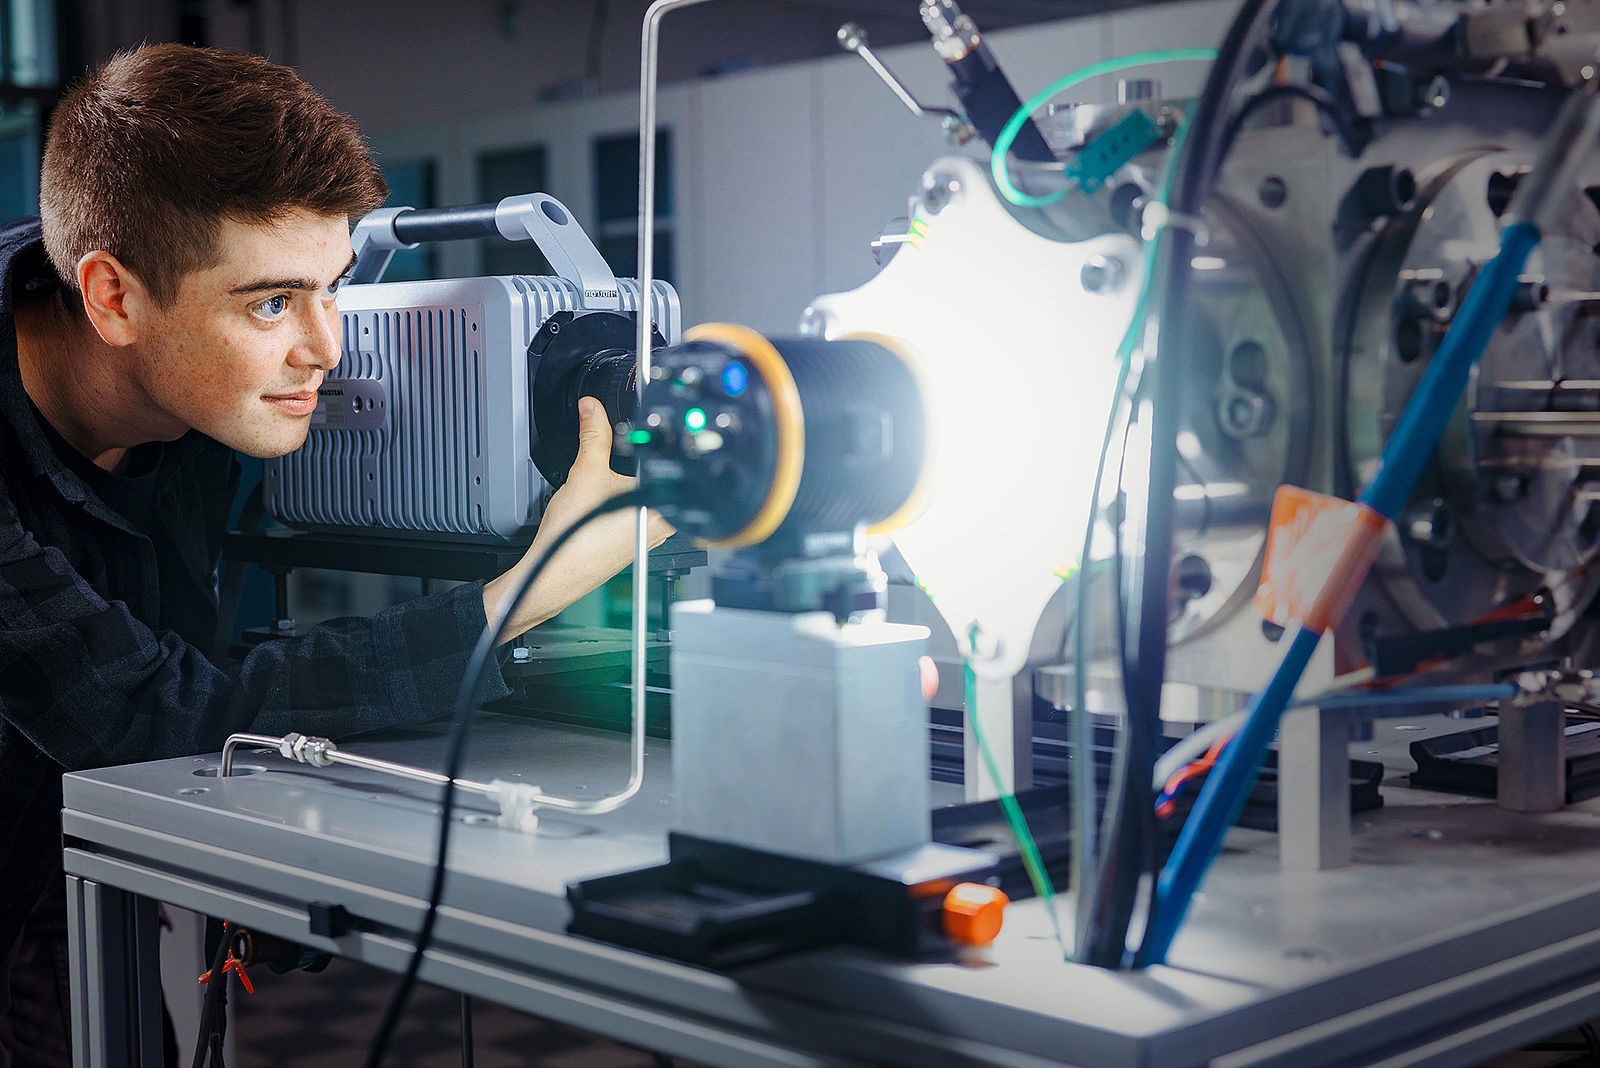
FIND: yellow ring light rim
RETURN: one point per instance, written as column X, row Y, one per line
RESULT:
column 764, row 357
column 916, row 501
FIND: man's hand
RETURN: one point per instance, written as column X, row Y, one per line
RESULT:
column 595, row 553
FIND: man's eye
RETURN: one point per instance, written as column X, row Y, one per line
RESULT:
column 272, row 308
column 338, row 283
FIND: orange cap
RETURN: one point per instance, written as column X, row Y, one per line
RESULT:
column 973, row 913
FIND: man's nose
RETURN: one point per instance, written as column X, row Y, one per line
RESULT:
column 320, row 347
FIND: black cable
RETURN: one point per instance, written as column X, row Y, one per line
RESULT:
column 1591, row 1040
column 467, row 1055
column 216, row 981
column 1315, row 94
column 456, row 748
column 1198, row 164
column 1103, row 939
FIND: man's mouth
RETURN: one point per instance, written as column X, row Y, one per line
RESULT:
column 295, row 404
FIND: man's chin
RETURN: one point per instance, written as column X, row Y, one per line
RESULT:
column 270, row 448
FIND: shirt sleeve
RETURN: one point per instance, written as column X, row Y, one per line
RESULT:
column 90, row 685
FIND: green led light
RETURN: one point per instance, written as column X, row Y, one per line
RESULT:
column 639, row 437
column 695, row 419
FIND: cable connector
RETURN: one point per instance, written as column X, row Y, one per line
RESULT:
column 518, row 804
column 306, row 749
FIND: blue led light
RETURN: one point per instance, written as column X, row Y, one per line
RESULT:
column 734, row 379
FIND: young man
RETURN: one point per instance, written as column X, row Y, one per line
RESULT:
column 176, row 303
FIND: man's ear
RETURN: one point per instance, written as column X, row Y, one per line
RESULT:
column 114, row 299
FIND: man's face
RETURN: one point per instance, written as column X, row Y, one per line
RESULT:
column 241, row 351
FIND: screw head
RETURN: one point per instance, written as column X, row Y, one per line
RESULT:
column 814, row 323
column 938, row 191
column 1102, row 274
column 1436, row 94
column 1244, row 414
column 1273, row 191
column 1432, row 525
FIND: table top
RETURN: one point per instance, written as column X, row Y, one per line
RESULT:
column 1459, row 928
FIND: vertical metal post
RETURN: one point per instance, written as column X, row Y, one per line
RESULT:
column 1003, row 711
column 1533, row 767
column 1313, row 790
column 113, row 943
column 280, row 596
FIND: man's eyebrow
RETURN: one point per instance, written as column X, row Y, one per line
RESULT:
column 266, row 285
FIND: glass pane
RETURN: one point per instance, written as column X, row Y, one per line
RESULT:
column 27, row 44
column 616, row 177
column 621, row 252
column 19, row 163
column 508, row 173
column 411, row 184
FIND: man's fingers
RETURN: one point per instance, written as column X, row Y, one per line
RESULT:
column 592, row 424
column 594, row 432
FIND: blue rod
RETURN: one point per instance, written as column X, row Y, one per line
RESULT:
column 1408, row 449
column 1437, row 395
column 1413, row 695
column 1222, row 797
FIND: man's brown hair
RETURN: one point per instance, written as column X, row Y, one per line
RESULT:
column 148, row 154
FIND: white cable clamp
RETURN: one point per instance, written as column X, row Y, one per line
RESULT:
column 1157, row 217
column 518, row 803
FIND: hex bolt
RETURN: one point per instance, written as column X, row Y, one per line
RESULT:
column 1431, row 296
column 956, row 130
column 1245, row 414
column 1531, row 295
column 1381, row 192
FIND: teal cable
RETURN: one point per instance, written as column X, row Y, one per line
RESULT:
column 1002, row 145
column 1032, row 862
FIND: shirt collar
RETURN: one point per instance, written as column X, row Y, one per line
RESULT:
column 22, row 263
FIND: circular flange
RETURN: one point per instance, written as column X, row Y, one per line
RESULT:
column 1514, row 464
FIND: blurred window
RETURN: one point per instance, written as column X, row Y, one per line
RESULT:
column 616, row 186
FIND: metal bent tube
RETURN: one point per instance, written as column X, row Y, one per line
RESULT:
column 649, row 52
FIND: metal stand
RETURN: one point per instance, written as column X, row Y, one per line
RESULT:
column 113, row 939
column 1003, row 711
column 1314, row 792
column 1533, row 767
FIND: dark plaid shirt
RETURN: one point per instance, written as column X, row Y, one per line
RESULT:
column 93, row 669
